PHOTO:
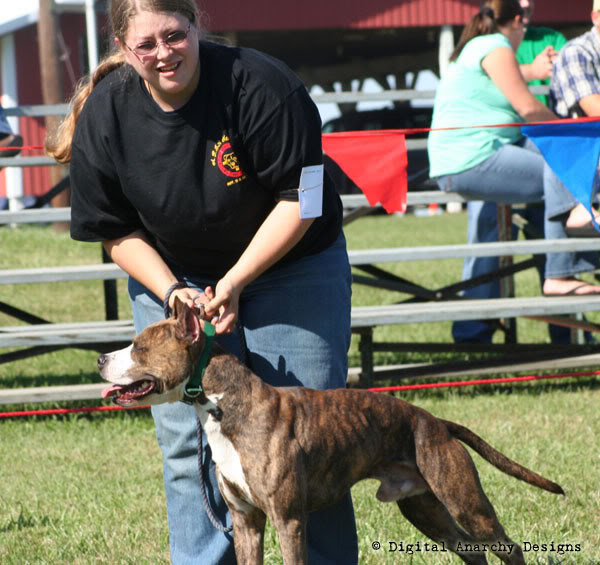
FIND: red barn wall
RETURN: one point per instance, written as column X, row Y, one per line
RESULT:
column 36, row 180
column 313, row 14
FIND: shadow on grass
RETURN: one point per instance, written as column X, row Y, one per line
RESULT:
column 23, row 522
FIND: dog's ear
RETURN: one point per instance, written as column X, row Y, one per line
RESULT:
column 188, row 325
column 178, row 306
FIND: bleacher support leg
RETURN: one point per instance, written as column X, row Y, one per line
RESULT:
column 507, row 284
column 111, row 301
column 365, row 347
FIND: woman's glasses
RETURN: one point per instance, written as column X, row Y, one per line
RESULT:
column 149, row 48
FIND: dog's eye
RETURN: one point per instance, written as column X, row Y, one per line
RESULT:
column 138, row 349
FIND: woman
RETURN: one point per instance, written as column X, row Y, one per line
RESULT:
column 186, row 159
column 484, row 85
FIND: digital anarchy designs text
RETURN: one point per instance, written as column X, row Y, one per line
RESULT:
column 431, row 547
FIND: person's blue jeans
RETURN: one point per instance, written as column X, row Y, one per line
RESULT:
column 5, row 128
column 482, row 227
column 514, row 174
column 296, row 324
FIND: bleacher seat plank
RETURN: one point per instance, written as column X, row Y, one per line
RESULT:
column 460, row 251
column 406, row 313
column 35, row 215
column 106, row 271
column 102, row 271
column 66, row 334
column 416, row 198
column 362, row 316
column 51, row 393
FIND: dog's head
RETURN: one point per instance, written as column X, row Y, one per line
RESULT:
column 155, row 368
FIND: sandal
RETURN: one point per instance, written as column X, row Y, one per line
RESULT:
column 586, row 230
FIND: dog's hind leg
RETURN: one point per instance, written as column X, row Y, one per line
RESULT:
column 429, row 515
column 464, row 497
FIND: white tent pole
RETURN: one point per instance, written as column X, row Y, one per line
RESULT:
column 92, row 34
column 446, row 47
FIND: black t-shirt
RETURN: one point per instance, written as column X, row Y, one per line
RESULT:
column 199, row 180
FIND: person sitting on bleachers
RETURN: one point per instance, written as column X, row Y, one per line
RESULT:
column 484, row 86
column 8, row 138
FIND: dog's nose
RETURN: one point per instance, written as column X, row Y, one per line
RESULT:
column 102, row 359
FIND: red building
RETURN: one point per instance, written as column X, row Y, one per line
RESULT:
column 325, row 42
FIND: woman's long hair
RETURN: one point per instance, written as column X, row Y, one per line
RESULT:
column 60, row 144
column 493, row 13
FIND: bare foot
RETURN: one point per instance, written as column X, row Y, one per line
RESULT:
column 562, row 287
column 580, row 216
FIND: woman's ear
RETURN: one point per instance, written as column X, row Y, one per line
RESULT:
column 120, row 46
column 128, row 56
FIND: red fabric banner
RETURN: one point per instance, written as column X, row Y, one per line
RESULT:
column 375, row 161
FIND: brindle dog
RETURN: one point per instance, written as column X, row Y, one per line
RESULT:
column 283, row 452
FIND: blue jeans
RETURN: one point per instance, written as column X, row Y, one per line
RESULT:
column 482, row 227
column 514, row 174
column 518, row 174
column 296, row 323
column 5, row 128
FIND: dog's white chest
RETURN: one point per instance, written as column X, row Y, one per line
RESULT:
column 223, row 451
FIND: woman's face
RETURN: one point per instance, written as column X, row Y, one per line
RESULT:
column 172, row 69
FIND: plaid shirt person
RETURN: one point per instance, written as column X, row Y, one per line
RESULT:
column 576, row 74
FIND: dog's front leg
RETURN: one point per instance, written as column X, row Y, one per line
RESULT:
column 248, row 535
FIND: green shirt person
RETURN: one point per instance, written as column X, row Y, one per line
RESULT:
column 539, row 40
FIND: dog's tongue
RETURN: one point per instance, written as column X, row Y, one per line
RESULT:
column 109, row 390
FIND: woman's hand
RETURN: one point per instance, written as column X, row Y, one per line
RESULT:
column 223, row 304
column 192, row 297
column 541, row 67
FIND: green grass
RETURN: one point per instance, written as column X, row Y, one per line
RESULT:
column 88, row 489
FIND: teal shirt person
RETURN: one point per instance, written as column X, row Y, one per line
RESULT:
column 535, row 41
column 466, row 96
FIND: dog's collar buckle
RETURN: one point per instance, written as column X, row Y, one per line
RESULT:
column 193, row 388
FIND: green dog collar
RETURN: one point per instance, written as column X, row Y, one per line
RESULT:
column 193, row 388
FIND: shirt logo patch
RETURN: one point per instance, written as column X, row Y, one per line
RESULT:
column 223, row 157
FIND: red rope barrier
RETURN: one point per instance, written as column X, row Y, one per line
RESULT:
column 411, row 131
column 405, row 131
column 21, row 147
column 57, row 411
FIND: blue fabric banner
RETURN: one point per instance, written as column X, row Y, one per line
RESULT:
column 572, row 151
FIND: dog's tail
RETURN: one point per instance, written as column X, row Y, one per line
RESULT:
column 499, row 460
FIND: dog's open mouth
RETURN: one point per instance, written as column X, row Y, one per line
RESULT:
column 128, row 394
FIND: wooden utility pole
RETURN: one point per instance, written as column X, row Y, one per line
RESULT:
column 52, row 89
